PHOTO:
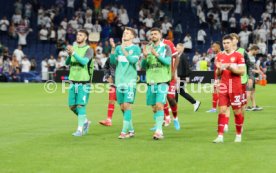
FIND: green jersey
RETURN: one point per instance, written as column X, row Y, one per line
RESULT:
column 79, row 62
column 244, row 77
column 158, row 69
column 125, row 73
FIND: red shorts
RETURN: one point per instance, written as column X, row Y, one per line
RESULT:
column 243, row 95
column 112, row 93
column 233, row 99
column 172, row 89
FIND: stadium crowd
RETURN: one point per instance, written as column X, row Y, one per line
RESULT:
column 59, row 25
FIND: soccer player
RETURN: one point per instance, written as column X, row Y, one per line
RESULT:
column 125, row 57
column 109, row 72
column 216, row 49
column 230, row 67
column 253, row 51
column 157, row 63
column 80, row 75
column 172, row 87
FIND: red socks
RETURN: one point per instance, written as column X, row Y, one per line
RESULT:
column 174, row 111
column 239, row 122
column 215, row 100
column 222, row 119
column 110, row 111
column 166, row 110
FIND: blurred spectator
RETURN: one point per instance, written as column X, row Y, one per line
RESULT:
column 18, row 6
column 111, row 17
column 148, row 21
column 28, row 10
column 44, row 70
column 43, row 34
column 123, row 17
column 12, row 30
column 60, row 63
column 203, row 64
column 196, row 59
column 4, row 25
column 25, row 65
column 97, row 27
column 274, row 48
column 233, row 24
column 61, row 34
column 142, row 33
column 33, row 64
column 52, row 67
column 244, row 38
column 201, row 34
column 88, row 26
column 97, row 6
column 16, row 18
column 238, row 9
column 105, row 12
column 170, row 34
column 263, row 48
column 70, row 8
column 64, row 23
column 53, row 35
column 188, row 45
column 18, row 53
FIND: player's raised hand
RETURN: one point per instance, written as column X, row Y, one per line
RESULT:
column 112, row 43
column 145, row 51
column 70, row 49
column 154, row 52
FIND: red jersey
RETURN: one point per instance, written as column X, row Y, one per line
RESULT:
column 173, row 50
column 231, row 80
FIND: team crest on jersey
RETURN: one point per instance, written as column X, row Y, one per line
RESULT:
column 131, row 52
column 232, row 59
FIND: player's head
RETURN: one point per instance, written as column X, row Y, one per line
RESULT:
column 227, row 42
column 129, row 34
column 82, row 36
column 155, row 34
column 254, row 49
column 235, row 38
column 180, row 47
column 216, row 47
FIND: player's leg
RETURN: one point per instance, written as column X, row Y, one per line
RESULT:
column 222, row 119
column 82, row 100
column 188, row 97
column 173, row 105
column 172, row 102
column 248, row 93
column 254, row 105
column 72, row 99
column 236, row 103
column 214, row 100
column 161, row 95
column 111, row 107
column 128, row 99
column 167, row 117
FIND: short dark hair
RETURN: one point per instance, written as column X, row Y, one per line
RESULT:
column 216, row 42
column 156, row 29
column 254, row 47
column 226, row 37
column 132, row 31
column 84, row 31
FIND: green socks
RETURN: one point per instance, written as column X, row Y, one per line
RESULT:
column 81, row 116
column 127, row 123
column 159, row 119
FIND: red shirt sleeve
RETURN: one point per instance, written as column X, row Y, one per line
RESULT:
column 240, row 59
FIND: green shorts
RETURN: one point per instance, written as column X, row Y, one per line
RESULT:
column 78, row 94
column 157, row 93
column 125, row 95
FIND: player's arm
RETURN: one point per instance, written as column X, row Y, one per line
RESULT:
column 84, row 60
column 144, row 62
column 240, row 69
column 165, row 58
column 68, row 60
column 134, row 57
column 113, row 55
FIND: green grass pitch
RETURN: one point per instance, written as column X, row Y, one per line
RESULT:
column 36, row 127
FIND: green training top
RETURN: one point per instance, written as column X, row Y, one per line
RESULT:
column 78, row 62
column 158, row 69
column 125, row 73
